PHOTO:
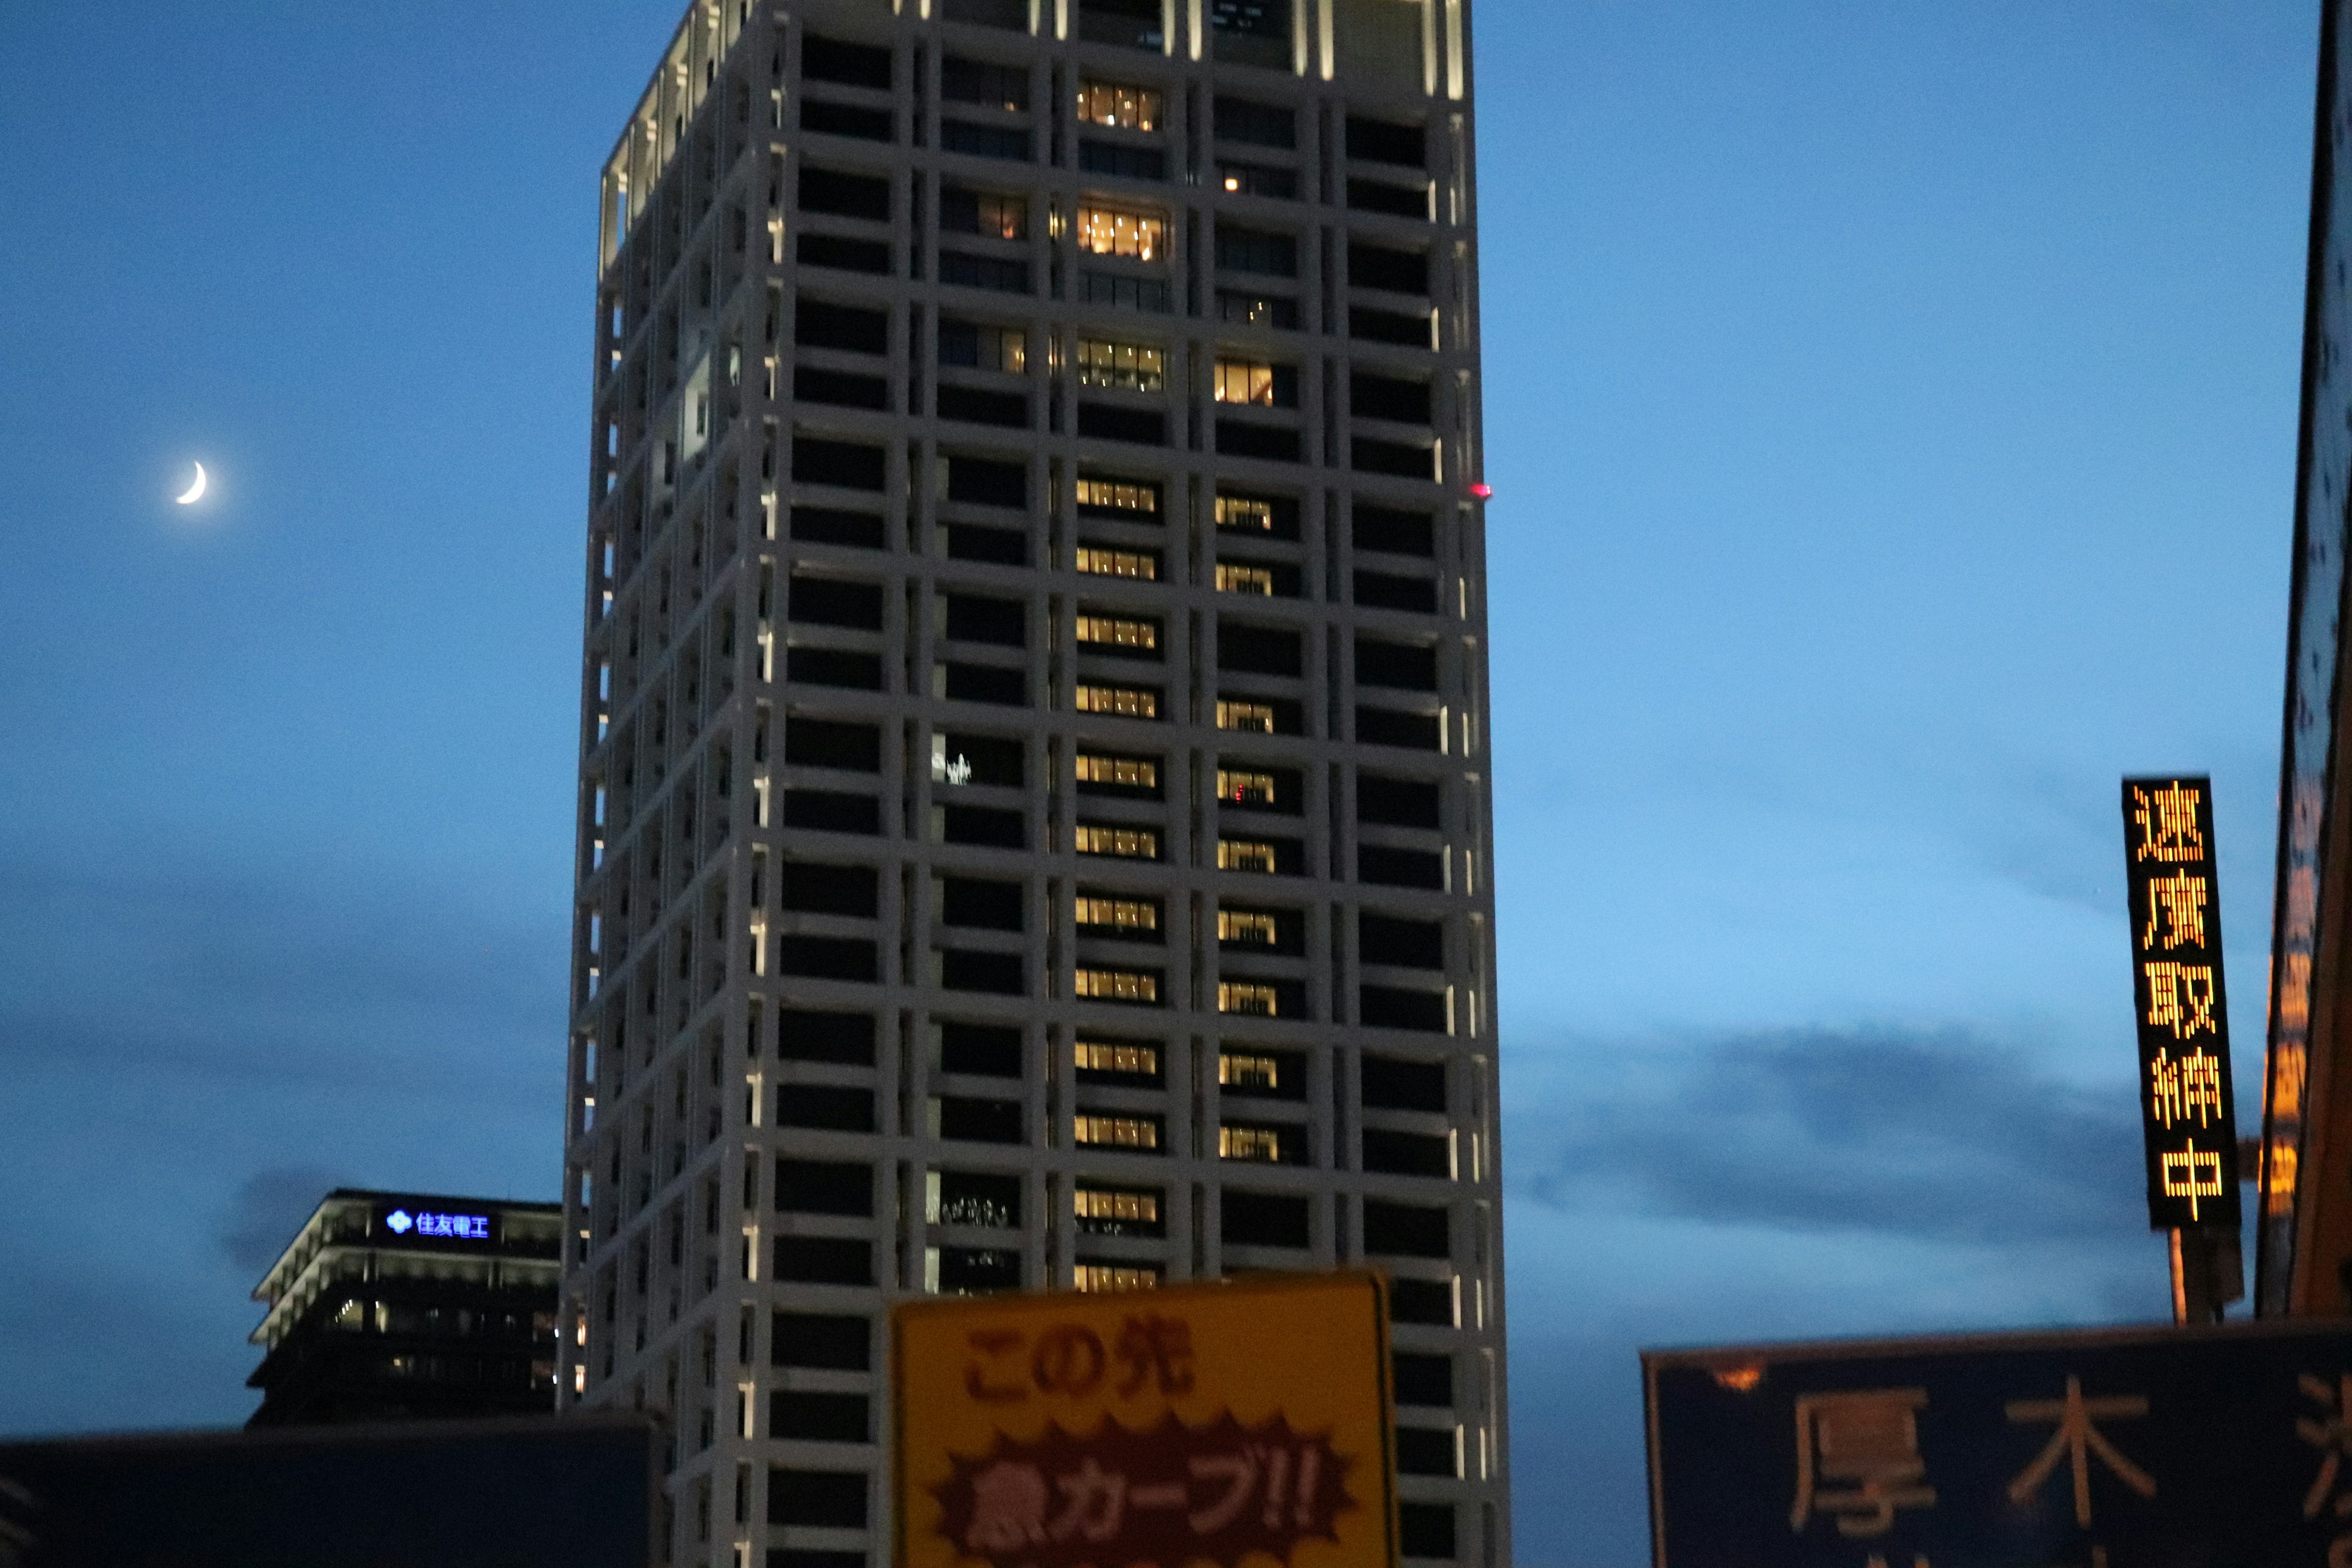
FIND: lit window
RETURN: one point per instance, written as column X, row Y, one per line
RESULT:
column 1244, row 579
column 1255, row 717
column 1244, row 789
column 1239, row 512
column 1128, row 843
column 1241, row 996
column 1120, row 914
column 1243, row 925
column 1119, row 495
column 1122, row 367
column 1264, row 1144
column 1123, row 701
column 1120, row 773
column 1111, row 631
column 1269, row 385
column 1107, row 1056
column 1117, row 985
column 1244, row 855
column 1100, row 562
column 1110, row 103
column 1113, row 231
column 1111, row 1203
column 1108, row 1277
column 1236, row 1071
column 1116, row 1131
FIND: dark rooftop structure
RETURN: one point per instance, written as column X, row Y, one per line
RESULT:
column 392, row 1305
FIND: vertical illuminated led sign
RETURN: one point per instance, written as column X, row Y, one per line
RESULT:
column 2186, row 1111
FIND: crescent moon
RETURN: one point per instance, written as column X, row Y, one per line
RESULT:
column 196, row 490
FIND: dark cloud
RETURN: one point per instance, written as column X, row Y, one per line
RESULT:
column 268, row 1209
column 1931, row 1136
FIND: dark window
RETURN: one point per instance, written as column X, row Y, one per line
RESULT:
column 823, row 743
column 975, row 405
column 1261, row 1219
column 983, row 82
column 1395, row 531
column 1242, row 119
column 806, row 1556
column 833, row 1107
column 1400, row 802
column 972, row 618
column 1384, row 267
column 1406, row 1153
column 825, row 326
column 1242, row 249
column 832, row 1341
column 845, row 463
column 1257, row 309
column 976, row 1270
column 1402, row 665
column 844, row 254
column 976, row 1197
column 1123, row 293
column 1387, row 591
column 827, row 957
column 1257, row 180
column 1426, row 1451
column 986, row 482
column 1240, row 439
column 1397, row 201
column 1389, row 327
column 1389, row 397
column 1129, row 23
column 1391, row 1082
column 824, row 1186
column 1407, row 732
column 1406, row 459
column 836, row 602
column 1386, row 142
column 811, row 384
column 806, row 1035
column 1121, row 161
column 996, row 546
column 828, row 890
column 1421, row 1379
column 845, row 194
column 984, row 141
column 1398, row 1007
column 834, row 666
column 846, row 120
column 1003, row 274
column 1410, row 1230
column 987, row 825
column 1400, row 868
column 1250, row 33
column 1145, row 427
column 833, row 525
column 832, row 811
column 963, row 210
column 993, row 760
column 856, row 65
column 1421, row 1301
column 818, row 1500
column 990, row 1050
column 817, row 1417
column 976, row 901
column 998, row 974
column 1390, row 939
column 1267, row 650
column 1425, row 1528
column 824, row 1261
column 987, row 683
column 979, row 1120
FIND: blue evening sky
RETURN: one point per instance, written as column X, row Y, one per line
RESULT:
column 1891, row 410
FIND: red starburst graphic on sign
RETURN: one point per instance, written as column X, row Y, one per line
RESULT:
column 1113, row 1497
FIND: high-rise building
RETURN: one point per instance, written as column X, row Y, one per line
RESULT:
column 2304, row 1233
column 387, row 1306
column 1033, row 826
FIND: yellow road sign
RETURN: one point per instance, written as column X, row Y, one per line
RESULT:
column 1237, row 1424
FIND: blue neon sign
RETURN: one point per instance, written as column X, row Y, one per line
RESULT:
column 450, row 1227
